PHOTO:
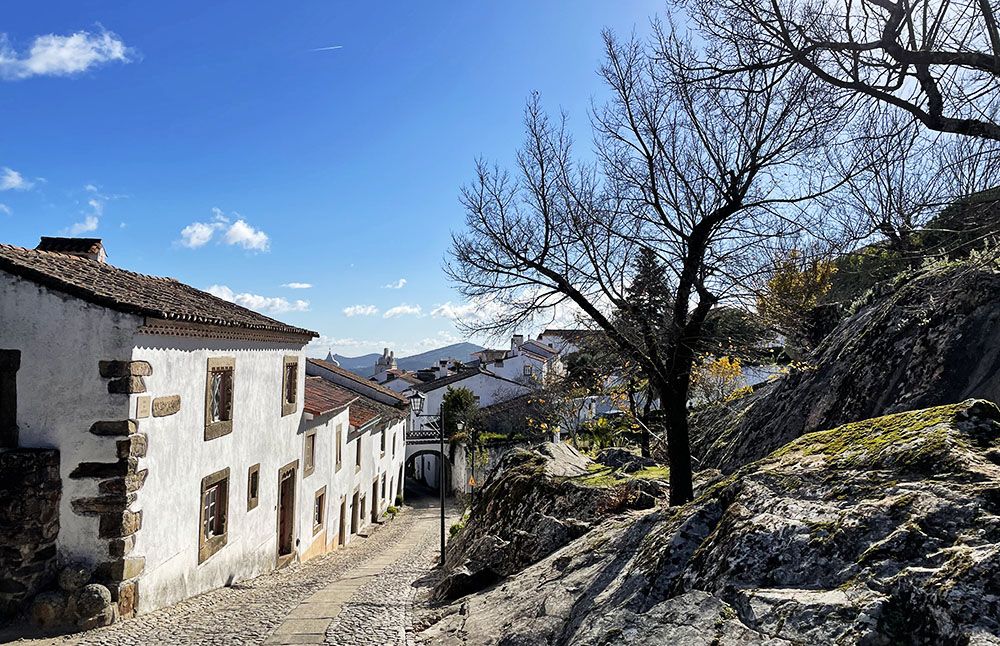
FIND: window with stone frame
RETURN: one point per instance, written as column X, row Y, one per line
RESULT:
column 309, row 454
column 214, row 530
column 357, row 454
column 219, row 390
column 382, row 442
column 10, row 362
column 394, row 444
column 383, row 486
column 319, row 509
column 253, row 487
column 528, row 371
column 290, row 385
column 340, row 445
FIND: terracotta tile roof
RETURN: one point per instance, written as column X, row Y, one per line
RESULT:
column 364, row 412
column 361, row 381
column 133, row 293
column 324, row 397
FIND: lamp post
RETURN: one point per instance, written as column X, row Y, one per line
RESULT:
column 417, row 402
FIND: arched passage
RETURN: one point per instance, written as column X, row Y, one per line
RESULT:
column 422, row 469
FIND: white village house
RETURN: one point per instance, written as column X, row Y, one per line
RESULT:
column 167, row 438
column 525, row 362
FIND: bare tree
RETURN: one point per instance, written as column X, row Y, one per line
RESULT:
column 937, row 60
column 907, row 175
column 705, row 176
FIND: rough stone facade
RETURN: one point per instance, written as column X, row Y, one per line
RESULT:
column 119, row 482
column 30, row 489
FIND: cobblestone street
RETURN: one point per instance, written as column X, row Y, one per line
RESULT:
column 359, row 595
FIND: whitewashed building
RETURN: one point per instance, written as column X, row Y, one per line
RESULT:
column 185, row 459
column 528, row 362
column 359, row 444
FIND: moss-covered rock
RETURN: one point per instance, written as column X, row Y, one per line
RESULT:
column 885, row 531
column 534, row 502
column 928, row 339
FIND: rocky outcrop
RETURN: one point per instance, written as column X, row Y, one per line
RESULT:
column 885, row 531
column 535, row 502
column 928, row 339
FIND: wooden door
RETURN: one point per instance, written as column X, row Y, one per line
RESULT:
column 286, row 512
column 342, row 532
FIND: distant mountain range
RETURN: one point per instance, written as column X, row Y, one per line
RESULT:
column 365, row 364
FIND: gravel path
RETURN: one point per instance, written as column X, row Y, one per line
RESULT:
column 250, row 612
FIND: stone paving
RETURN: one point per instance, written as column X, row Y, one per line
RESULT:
column 358, row 595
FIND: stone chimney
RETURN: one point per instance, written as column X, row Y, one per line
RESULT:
column 91, row 248
column 516, row 342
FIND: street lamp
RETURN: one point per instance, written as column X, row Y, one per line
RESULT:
column 417, row 402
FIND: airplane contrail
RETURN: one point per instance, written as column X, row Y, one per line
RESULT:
column 326, row 49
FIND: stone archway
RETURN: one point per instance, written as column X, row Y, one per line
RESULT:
column 421, row 471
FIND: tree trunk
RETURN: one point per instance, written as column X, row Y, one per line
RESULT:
column 672, row 417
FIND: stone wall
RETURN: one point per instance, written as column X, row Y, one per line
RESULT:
column 30, row 490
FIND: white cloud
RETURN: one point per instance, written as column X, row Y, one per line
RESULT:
column 242, row 234
column 399, row 284
column 360, row 310
column 52, row 55
column 455, row 312
column 297, row 285
column 402, row 310
column 197, row 234
column 267, row 304
column 5, row 209
column 239, row 233
column 11, row 180
column 89, row 223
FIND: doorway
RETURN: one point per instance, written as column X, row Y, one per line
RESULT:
column 342, row 526
column 375, row 500
column 286, row 513
column 355, row 514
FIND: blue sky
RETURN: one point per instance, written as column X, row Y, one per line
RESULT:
column 212, row 142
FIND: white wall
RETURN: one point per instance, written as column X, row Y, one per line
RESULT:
column 489, row 389
column 513, row 368
column 60, row 392
column 178, row 457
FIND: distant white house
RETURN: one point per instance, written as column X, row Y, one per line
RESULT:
column 177, row 430
column 564, row 341
column 528, row 362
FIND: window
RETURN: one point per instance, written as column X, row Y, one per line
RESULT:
column 253, row 486
column 290, row 386
column 309, row 459
column 528, row 371
column 214, row 514
column 10, row 362
column 219, row 398
column 319, row 510
column 383, row 486
column 382, row 443
column 393, row 445
column 357, row 455
column 340, row 444
column 499, row 363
